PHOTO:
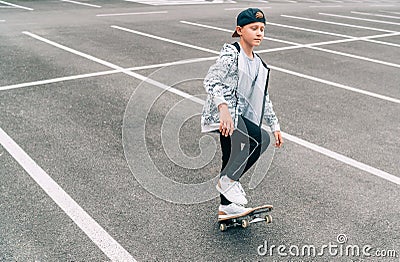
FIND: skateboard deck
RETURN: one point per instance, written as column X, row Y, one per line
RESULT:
column 255, row 215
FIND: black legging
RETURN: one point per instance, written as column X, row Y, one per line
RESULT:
column 241, row 150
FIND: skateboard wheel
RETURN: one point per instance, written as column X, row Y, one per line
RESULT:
column 268, row 219
column 222, row 227
column 245, row 223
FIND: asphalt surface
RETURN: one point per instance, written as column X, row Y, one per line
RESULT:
column 135, row 173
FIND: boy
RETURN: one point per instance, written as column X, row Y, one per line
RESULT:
column 236, row 104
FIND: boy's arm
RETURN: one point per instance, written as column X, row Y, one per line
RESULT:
column 272, row 121
column 214, row 81
column 270, row 116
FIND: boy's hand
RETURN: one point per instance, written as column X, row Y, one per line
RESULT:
column 225, row 120
column 278, row 139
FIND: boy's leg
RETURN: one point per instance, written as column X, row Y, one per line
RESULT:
column 228, row 146
column 239, row 152
column 237, row 160
column 256, row 149
column 231, row 148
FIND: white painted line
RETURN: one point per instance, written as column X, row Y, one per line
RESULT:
column 323, row 6
column 390, row 12
column 164, row 39
column 361, row 19
column 377, row 15
column 80, row 3
column 316, row 148
column 111, row 248
column 341, row 24
column 18, row 6
column 55, row 80
column 230, row 31
column 343, row 159
column 68, row 78
column 2, row 20
column 180, row 2
column 349, row 88
column 113, row 66
column 243, row 8
column 382, row 5
column 310, row 46
column 309, row 30
column 367, row 38
column 138, row 13
column 355, row 56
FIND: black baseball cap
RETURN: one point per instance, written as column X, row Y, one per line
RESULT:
column 248, row 16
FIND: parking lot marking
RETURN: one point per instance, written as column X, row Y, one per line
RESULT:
column 138, row 13
column 312, row 46
column 309, row 30
column 382, row 5
column 367, row 38
column 108, row 64
column 290, row 1
column 341, row 24
column 103, row 73
column 164, row 39
column 345, row 87
column 111, row 248
column 329, row 6
column 180, row 2
column 361, row 19
column 80, row 3
column 344, row 159
column 242, row 8
column 339, row 157
column 377, row 15
column 55, row 80
column 17, row 6
column 390, row 12
column 355, row 56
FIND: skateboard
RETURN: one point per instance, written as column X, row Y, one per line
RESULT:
column 255, row 215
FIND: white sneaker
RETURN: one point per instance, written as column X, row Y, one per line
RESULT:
column 231, row 210
column 232, row 190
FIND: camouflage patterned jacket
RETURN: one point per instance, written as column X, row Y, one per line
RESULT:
column 221, row 84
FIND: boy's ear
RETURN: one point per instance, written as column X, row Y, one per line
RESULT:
column 239, row 30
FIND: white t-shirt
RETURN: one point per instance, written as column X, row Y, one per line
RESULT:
column 248, row 94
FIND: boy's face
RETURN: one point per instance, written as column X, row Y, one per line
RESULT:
column 252, row 34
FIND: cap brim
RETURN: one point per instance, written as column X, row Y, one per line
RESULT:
column 235, row 34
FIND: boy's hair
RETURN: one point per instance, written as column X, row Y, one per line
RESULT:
column 248, row 16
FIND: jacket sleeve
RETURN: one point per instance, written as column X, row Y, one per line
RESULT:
column 269, row 114
column 214, row 81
